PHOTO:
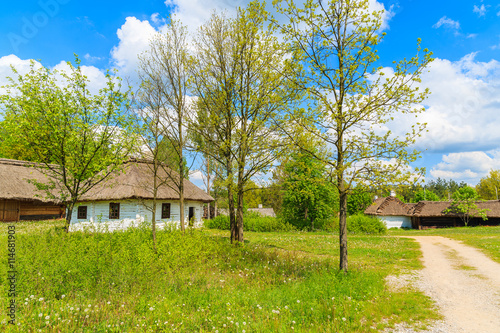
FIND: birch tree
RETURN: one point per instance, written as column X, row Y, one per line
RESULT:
column 241, row 82
column 351, row 97
column 163, row 70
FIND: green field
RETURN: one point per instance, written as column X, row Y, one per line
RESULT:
column 198, row 282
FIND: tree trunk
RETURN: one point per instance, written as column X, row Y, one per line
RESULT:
column 68, row 216
column 239, row 216
column 343, row 228
column 232, row 219
column 155, row 194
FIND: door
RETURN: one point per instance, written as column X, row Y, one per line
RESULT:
column 9, row 210
column 191, row 216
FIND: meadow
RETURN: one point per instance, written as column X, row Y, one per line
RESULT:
column 199, row 282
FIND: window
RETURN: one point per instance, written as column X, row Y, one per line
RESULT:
column 165, row 211
column 114, row 210
column 82, row 212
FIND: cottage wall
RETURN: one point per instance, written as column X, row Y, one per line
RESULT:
column 134, row 212
column 396, row 221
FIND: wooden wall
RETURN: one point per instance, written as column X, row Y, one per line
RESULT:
column 15, row 210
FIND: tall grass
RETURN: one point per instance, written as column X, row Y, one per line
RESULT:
column 197, row 281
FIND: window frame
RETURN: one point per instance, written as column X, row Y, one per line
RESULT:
column 81, row 213
column 114, row 210
column 163, row 210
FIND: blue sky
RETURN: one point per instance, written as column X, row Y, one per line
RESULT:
column 463, row 141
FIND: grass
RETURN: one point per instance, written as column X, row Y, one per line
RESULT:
column 486, row 239
column 198, row 282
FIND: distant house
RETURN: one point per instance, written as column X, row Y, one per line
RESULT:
column 392, row 211
column 125, row 199
column 19, row 197
column 427, row 214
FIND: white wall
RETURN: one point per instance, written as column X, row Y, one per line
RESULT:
column 396, row 221
column 132, row 213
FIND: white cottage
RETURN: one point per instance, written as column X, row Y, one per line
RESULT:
column 125, row 200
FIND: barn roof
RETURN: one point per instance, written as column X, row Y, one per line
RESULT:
column 389, row 206
column 393, row 206
column 15, row 177
column 135, row 181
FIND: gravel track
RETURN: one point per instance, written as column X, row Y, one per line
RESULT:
column 464, row 283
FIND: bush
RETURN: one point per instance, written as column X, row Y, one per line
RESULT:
column 219, row 222
column 366, row 224
column 252, row 221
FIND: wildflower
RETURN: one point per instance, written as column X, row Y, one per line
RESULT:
column 40, row 315
column 62, row 296
column 151, row 309
column 32, row 296
column 109, row 302
column 298, row 301
column 343, row 318
column 224, row 325
column 244, row 323
column 71, row 308
column 46, row 323
column 25, row 303
column 40, row 299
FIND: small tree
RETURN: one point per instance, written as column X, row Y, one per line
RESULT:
column 309, row 198
column 489, row 186
column 464, row 204
column 164, row 72
column 357, row 201
column 351, row 96
column 78, row 138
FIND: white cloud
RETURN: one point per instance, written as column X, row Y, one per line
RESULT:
column 480, row 11
column 90, row 58
column 96, row 77
column 471, row 36
column 448, row 23
column 134, row 37
column 467, row 166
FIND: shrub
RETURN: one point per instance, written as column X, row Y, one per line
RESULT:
column 219, row 222
column 361, row 223
column 252, row 221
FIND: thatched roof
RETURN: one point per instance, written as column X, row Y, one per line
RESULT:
column 387, row 206
column 135, row 181
column 392, row 206
column 15, row 183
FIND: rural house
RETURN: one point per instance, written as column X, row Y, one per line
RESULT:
column 125, row 199
column 19, row 197
column 428, row 214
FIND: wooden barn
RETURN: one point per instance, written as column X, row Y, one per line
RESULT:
column 126, row 199
column 20, row 199
column 428, row 214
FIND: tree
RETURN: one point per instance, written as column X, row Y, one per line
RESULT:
column 358, row 200
column 464, row 204
column 489, row 186
column 350, row 98
column 308, row 197
column 164, row 72
column 444, row 188
column 78, row 138
column 425, row 195
column 240, row 79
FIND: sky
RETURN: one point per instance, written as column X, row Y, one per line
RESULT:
column 462, row 112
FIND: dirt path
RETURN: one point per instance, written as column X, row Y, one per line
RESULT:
column 464, row 283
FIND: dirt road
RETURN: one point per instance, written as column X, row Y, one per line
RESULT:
column 464, row 283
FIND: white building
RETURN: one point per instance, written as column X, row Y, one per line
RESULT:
column 126, row 199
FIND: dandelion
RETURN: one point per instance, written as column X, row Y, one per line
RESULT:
column 244, row 323
column 32, row 296
column 109, row 302
column 224, row 325
column 62, row 296
column 298, row 301
column 71, row 308
column 312, row 309
column 343, row 318
column 47, row 323
column 25, row 303
column 40, row 299
column 286, row 307
column 86, row 316
column 151, row 309
column 333, row 298
column 40, row 315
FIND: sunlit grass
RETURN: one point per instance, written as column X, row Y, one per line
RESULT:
column 275, row 282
